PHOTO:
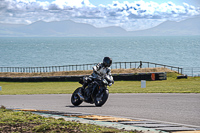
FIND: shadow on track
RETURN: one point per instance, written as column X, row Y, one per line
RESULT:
column 71, row 106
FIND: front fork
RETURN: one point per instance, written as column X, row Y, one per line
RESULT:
column 100, row 90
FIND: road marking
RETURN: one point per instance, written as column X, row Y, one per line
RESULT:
column 106, row 118
column 31, row 110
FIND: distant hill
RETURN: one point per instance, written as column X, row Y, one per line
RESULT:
column 58, row 29
column 170, row 28
column 69, row 28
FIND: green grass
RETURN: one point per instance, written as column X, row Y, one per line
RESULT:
column 15, row 88
column 12, row 121
column 171, row 85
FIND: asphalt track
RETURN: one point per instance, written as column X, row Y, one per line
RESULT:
column 175, row 108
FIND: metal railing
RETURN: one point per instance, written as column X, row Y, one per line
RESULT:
column 192, row 71
column 115, row 65
column 46, row 68
column 143, row 64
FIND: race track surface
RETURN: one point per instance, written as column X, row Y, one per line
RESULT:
column 175, row 108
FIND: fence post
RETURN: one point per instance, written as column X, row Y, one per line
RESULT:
column 192, row 71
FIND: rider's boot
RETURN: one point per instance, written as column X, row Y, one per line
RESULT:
column 80, row 93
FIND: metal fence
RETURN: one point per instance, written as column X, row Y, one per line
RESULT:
column 143, row 64
column 115, row 65
column 47, row 68
column 192, row 71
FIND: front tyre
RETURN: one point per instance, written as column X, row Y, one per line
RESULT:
column 102, row 98
column 75, row 99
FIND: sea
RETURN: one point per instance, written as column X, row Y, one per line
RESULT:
column 178, row 51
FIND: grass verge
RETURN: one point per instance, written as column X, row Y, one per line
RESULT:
column 171, row 85
column 11, row 121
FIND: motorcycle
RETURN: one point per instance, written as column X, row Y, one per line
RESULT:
column 95, row 92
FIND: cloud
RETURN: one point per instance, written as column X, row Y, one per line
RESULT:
column 131, row 16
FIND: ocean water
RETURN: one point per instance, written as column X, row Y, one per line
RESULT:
column 180, row 51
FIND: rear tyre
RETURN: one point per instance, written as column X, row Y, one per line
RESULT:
column 102, row 98
column 75, row 99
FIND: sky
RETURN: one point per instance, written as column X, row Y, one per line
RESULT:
column 129, row 14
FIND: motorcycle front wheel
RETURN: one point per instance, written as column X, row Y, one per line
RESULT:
column 102, row 98
column 75, row 99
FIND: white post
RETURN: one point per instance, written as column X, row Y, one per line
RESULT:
column 143, row 83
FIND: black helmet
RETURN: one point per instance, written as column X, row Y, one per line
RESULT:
column 107, row 61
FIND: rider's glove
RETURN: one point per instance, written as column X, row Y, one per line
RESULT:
column 110, row 84
column 98, row 72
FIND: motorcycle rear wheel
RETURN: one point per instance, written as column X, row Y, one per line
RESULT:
column 75, row 99
column 101, row 99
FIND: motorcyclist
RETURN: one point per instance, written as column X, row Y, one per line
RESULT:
column 100, row 70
